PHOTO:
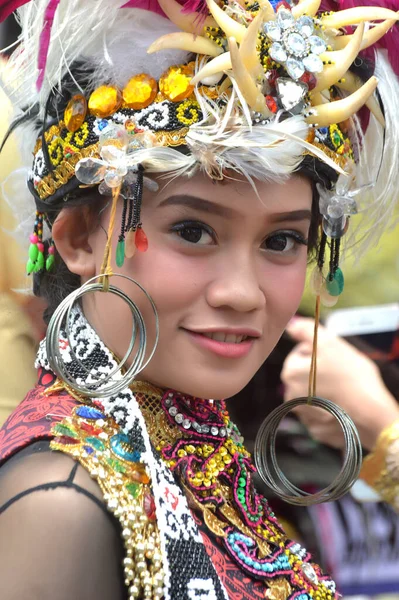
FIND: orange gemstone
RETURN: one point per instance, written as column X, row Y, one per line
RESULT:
column 141, row 240
column 140, row 91
column 175, row 83
column 139, row 475
column 105, row 101
column 75, row 113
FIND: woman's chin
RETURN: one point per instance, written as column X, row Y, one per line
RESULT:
column 202, row 387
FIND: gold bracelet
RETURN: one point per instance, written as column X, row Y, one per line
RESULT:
column 381, row 467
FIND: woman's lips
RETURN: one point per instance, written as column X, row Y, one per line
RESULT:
column 226, row 349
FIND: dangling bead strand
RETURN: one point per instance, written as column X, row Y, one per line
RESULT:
column 36, row 261
column 120, row 248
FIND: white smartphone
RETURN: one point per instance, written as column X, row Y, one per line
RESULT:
column 376, row 325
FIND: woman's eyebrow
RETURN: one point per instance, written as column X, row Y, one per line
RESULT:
column 199, row 204
column 294, row 215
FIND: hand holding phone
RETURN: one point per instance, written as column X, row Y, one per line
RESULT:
column 345, row 376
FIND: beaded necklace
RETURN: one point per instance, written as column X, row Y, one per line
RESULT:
column 205, row 451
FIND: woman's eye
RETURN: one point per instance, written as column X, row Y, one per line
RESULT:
column 284, row 242
column 194, row 233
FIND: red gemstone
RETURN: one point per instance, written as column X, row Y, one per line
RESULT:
column 89, row 428
column 272, row 77
column 64, row 439
column 309, row 79
column 149, row 506
column 271, row 103
column 284, row 5
column 141, row 240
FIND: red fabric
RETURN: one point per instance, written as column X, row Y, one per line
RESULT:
column 28, row 422
column 238, row 585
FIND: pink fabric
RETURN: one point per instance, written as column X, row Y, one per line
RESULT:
column 8, row 6
column 151, row 5
column 390, row 41
column 45, row 40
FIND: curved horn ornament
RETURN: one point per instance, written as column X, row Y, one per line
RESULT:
column 370, row 37
column 340, row 110
column 306, row 7
column 185, row 41
column 359, row 14
column 269, row 14
column 342, row 60
column 248, row 88
column 190, row 23
column 350, row 84
column 220, row 64
column 248, row 51
column 230, row 27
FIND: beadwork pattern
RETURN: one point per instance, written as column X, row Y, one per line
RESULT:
column 210, row 460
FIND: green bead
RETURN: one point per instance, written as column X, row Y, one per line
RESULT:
column 96, row 443
column 120, row 253
column 133, row 489
column 241, row 482
column 61, row 430
column 116, row 465
column 39, row 266
column 29, row 267
column 50, row 262
column 336, row 286
column 33, row 252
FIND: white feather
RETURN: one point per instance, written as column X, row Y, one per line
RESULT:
column 82, row 30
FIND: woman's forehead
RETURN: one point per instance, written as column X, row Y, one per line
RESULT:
column 236, row 197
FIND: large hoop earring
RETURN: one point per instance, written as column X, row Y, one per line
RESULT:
column 265, row 444
column 98, row 387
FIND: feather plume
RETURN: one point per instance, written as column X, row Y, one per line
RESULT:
column 81, row 31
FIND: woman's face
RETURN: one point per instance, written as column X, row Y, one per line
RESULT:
column 226, row 272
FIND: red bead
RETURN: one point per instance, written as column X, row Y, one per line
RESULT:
column 40, row 246
column 309, row 79
column 141, row 240
column 149, row 506
column 271, row 104
column 33, row 238
column 89, row 428
column 51, row 250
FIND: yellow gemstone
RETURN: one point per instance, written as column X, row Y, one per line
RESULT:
column 75, row 113
column 175, row 83
column 105, row 101
column 140, row 91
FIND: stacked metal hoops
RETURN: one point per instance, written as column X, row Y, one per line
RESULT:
column 269, row 470
column 98, row 387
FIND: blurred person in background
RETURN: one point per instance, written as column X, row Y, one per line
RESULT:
column 20, row 322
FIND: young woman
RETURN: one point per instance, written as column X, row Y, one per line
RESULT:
column 180, row 194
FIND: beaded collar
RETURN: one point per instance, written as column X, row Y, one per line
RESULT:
column 205, row 451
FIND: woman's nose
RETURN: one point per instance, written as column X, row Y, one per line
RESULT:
column 237, row 286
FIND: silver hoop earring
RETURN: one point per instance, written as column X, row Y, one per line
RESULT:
column 98, row 387
column 269, row 470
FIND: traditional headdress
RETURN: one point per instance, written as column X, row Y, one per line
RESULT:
column 114, row 91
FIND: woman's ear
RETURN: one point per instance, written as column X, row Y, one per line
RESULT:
column 71, row 234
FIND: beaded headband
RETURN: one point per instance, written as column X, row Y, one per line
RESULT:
column 265, row 85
